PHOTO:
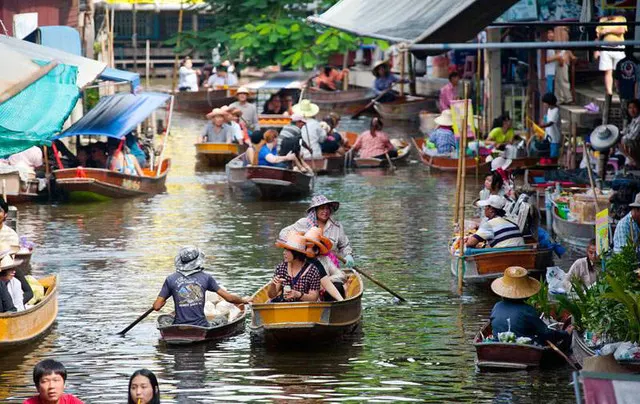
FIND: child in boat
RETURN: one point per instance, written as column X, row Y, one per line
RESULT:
column 50, row 377
column 143, row 388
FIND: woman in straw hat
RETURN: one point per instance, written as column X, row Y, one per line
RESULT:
column 216, row 131
column 312, row 132
column 515, row 315
column 320, row 214
column 442, row 136
column 295, row 279
column 384, row 81
column 332, row 279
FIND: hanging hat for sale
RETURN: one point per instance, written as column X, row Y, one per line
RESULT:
column 444, row 119
column 320, row 200
column 216, row 112
column 604, row 137
column 500, row 162
column 306, row 108
column 515, row 284
column 315, row 236
column 294, row 242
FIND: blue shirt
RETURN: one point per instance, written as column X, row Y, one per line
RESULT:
column 444, row 139
column 627, row 75
column 134, row 148
column 262, row 155
column 525, row 322
column 382, row 83
column 188, row 294
column 627, row 231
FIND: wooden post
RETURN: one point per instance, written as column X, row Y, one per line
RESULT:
column 175, row 62
column 147, row 62
column 345, row 77
column 412, row 75
column 112, row 53
column 134, row 35
column 463, row 147
column 402, row 60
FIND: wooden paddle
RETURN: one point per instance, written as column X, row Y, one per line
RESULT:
column 391, row 166
column 139, row 319
column 372, row 279
column 360, row 111
column 574, row 365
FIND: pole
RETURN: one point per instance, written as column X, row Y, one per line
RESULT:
column 175, row 62
column 463, row 147
column 166, row 135
column 47, row 170
column 134, row 35
column 112, row 59
column 147, row 61
column 412, row 75
column 402, row 59
column 590, row 172
column 345, row 76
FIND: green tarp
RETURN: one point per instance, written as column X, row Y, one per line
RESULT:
column 36, row 114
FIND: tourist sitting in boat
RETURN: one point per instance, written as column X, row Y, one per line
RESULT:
column 188, row 286
column 143, row 388
column 231, row 122
column 449, row 92
column 121, row 160
column 249, row 111
column 442, row 137
column 384, row 81
column 374, row 143
column 216, row 131
column 496, row 232
column 273, row 106
column 332, row 278
column 312, row 133
column 221, row 78
column 584, row 270
column 99, row 157
column 295, row 279
column 330, row 78
column 287, row 104
column 251, row 155
column 320, row 214
column 188, row 77
column 502, row 132
column 8, row 276
column 50, row 377
column 131, row 141
column 268, row 152
column 6, row 302
column 242, row 135
column 628, row 228
column 333, row 143
column 515, row 315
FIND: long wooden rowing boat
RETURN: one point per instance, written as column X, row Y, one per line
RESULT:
column 268, row 182
column 91, row 184
column 304, row 322
column 188, row 334
column 218, row 154
column 405, row 108
column 24, row 326
column 501, row 355
column 203, row 101
column 577, row 235
column 340, row 102
column 372, row 162
column 16, row 190
column 485, row 266
column 446, row 163
column 327, row 164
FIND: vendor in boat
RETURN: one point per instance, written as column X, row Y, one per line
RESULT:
column 249, row 111
column 312, row 133
column 268, row 152
column 449, row 92
column 515, row 315
column 502, row 132
column 442, row 137
column 188, row 77
column 295, row 279
column 143, row 388
column 273, row 106
column 329, row 78
column 500, row 165
column 320, row 213
column 188, row 286
column 374, row 143
column 584, row 270
column 50, row 377
column 332, row 278
column 628, row 228
column 121, row 160
column 496, row 232
column 216, row 131
column 384, row 81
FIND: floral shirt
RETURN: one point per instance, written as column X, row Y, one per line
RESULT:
column 309, row 280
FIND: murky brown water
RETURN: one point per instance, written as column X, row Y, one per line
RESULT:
column 113, row 257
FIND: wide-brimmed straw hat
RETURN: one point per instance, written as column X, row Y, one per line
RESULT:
column 216, row 112
column 6, row 256
column 515, row 284
column 604, row 137
column 306, row 108
column 242, row 90
column 189, row 259
column 500, row 162
column 445, row 118
column 294, row 241
column 320, row 200
column 378, row 64
column 315, row 236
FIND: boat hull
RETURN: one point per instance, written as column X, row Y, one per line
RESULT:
column 403, row 158
column 100, row 184
column 447, row 164
column 578, row 235
column 25, row 326
column 201, row 102
column 217, row 154
column 405, row 109
column 488, row 266
column 328, row 164
column 16, row 191
column 506, row 356
column 341, row 102
column 190, row 334
column 304, row 322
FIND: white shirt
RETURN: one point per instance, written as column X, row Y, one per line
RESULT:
column 188, row 78
column 215, row 80
column 17, row 295
column 9, row 236
column 313, row 134
column 237, row 132
column 550, row 67
column 553, row 132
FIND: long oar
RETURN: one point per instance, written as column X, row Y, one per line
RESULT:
column 139, row 319
column 374, row 280
column 360, row 111
column 574, row 365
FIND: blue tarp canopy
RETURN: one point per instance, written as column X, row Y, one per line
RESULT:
column 291, row 80
column 117, row 115
column 122, row 76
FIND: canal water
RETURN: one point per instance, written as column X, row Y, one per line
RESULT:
column 112, row 258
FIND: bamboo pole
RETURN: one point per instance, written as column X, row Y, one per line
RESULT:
column 458, row 178
column 112, row 53
column 175, row 62
column 147, row 62
column 345, row 76
column 463, row 147
column 402, row 72
column 477, row 111
column 134, row 35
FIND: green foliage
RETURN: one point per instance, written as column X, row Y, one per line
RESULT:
column 541, row 300
column 267, row 32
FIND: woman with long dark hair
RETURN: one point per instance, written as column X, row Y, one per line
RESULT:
column 143, row 388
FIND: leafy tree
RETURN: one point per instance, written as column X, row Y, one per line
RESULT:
column 266, row 32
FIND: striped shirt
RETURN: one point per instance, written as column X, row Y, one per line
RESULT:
column 499, row 233
column 627, row 231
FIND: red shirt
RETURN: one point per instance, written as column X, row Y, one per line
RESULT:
column 65, row 399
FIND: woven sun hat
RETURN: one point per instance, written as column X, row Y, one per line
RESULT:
column 7, row 253
column 306, row 108
column 604, row 137
column 216, row 112
column 242, row 90
column 294, row 241
column 515, row 284
column 636, row 202
column 444, row 119
column 315, row 236
column 378, row 64
column 500, row 162
column 495, row 201
column 320, row 200
column 190, row 259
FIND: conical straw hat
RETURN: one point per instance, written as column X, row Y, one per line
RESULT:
column 515, row 284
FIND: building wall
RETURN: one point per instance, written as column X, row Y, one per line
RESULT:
column 50, row 12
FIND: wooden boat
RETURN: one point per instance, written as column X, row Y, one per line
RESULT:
column 15, row 190
column 273, row 121
column 576, row 234
column 189, row 334
column 218, row 154
column 372, row 162
column 305, row 322
column 203, row 101
column 94, row 184
column 328, row 164
column 25, row 326
column 581, row 351
column 489, row 265
column 501, row 355
column 268, row 182
column 405, row 108
column 446, row 163
column 341, row 102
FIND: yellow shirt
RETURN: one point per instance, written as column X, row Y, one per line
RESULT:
column 498, row 135
column 601, row 30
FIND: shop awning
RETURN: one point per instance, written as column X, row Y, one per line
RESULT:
column 414, row 21
column 122, row 76
column 292, row 80
column 117, row 115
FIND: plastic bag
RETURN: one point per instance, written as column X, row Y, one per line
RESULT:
column 223, row 308
column 37, row 288
column 234, row 313
column 556, row 280
column 627, row 351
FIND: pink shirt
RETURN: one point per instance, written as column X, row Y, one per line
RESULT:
column 372, row 146
column 65, row 399
column 448, row 93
